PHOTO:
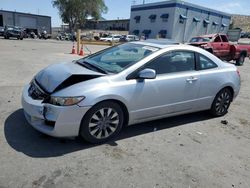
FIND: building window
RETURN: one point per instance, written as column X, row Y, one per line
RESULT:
column 137, row 19
column 146, row 33
column 136, row 32
column 215, row 24
column 164, row 17
column 162, row 33
column 224, row 25
column 196, row 20
column 182, row 18
column 206, row 22
column 152, row 18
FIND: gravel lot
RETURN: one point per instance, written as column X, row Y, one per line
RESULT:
column 193, row 150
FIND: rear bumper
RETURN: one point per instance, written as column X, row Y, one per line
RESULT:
column 66, row 120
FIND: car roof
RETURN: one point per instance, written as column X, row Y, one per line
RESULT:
column 159, row 43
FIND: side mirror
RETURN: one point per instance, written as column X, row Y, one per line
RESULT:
column 147, row 74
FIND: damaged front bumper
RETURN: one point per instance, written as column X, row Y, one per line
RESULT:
column 58, row 121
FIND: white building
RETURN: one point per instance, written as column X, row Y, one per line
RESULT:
column 176, row 20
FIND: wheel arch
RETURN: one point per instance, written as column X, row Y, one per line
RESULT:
column 120, row 103
column 230, row 87
column 123, row 106
column 244, row 52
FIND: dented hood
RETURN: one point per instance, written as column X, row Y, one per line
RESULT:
column 59, row 76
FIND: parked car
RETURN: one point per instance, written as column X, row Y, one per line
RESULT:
column 1, row 31
column 129, row 38
column 219, row 45
column 111, row 38
column 131, row 83
column 13, row 32
column 66, row 36
column 245, row 35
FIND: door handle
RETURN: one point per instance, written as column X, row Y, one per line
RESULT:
column 191, row 79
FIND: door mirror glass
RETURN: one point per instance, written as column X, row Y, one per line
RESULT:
column 147, row 74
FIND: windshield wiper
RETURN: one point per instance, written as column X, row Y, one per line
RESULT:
column 96, row 67
column 84, row 65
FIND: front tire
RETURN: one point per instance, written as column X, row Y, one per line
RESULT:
column 102, row 122
column 221, row 102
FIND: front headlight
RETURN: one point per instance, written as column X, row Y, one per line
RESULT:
column 65, row 101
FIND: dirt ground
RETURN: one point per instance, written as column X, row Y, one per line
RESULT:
column 192, row 150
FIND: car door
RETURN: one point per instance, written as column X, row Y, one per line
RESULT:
column 225, row 47
column 217, row 45
column 174, row 90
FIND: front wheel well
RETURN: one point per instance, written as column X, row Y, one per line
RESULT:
column 122, row 105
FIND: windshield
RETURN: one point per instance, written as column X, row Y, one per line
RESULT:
column 200, row 39
column 118, row 58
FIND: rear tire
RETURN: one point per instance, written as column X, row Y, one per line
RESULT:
column 240, row 60
column 102, row 122
column 221, row 102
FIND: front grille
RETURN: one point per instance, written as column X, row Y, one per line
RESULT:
column 36, row 93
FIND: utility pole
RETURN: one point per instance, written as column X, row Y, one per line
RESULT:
column 143, row 1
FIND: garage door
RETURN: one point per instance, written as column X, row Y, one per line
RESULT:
column 27, row 22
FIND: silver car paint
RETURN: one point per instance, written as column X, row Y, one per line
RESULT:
column 167, row 95
column 53, row 75
column 67, row 118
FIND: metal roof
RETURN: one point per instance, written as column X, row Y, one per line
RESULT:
column 24, row 13
column 179, row 4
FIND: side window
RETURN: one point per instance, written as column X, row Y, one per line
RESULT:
column 217, row 39
column 224, row 38
column 206, row 63
column 176, row 61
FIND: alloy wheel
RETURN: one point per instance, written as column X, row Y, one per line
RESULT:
column 103, row 123
column 223, row 102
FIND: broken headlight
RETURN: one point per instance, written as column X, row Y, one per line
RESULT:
column 65, row 101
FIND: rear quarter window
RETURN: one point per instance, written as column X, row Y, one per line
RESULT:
column 205, row 63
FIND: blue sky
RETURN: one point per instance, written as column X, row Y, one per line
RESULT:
column 119, row 8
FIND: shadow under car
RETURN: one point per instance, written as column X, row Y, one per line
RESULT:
column 24, row 138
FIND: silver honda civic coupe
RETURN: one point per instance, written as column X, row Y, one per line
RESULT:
column 94, row 97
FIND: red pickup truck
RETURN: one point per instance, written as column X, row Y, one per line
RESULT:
column 219, row 45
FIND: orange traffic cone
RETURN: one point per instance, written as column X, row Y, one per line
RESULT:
column 73, row 49
column 81, row 51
